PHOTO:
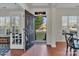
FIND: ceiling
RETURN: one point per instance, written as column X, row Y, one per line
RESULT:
column 38, row 5
column 10, row 6
column 56, row 5
column 67, row 5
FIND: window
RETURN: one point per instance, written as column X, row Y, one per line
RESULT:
column 72, row 21
column 7, row 20
column 2, row 21
column 6, row 23
column 17, row 20
column 64, row 20
column 69, row 23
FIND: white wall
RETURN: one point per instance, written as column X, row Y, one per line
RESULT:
column 25, row 6
column 54, row 27
column 49, row 29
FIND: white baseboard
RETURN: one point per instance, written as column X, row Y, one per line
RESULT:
column 48, row 43
column 61, row 40
column 53, row 45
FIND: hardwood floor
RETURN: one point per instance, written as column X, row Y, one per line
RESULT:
column 44, row 50
column 37, row 50
column 58, row 51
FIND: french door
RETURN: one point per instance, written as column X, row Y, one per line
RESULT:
column 29, row 29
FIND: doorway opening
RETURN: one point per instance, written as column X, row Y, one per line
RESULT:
column 40, row 28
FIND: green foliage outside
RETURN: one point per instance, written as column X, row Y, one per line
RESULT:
column 38, row 22
column 40, row 35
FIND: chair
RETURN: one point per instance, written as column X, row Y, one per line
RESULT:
column 72, row 43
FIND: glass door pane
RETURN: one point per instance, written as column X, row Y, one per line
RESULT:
column 17, row 20
column 64, row 22
column 2, row 20
column 8, row 21
column 7, row 25
column 2, row 25
column 73, row 23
